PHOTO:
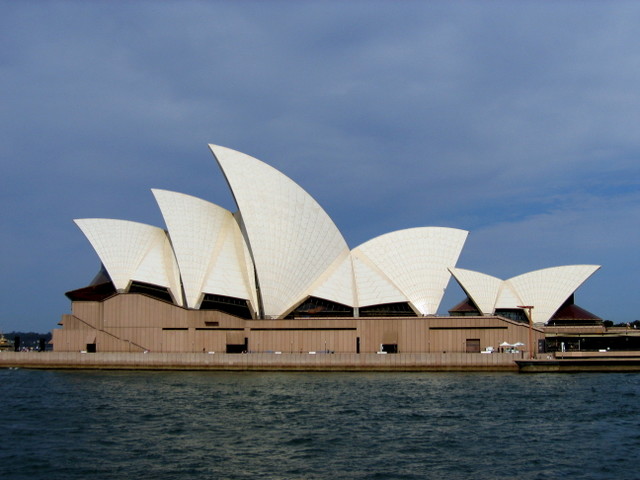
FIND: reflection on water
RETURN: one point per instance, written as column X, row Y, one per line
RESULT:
column 166, row 425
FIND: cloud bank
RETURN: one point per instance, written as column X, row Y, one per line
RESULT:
column 517, row 122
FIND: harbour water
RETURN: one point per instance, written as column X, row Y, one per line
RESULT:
column 209, row 425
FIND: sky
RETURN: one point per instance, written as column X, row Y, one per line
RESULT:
column 516, row 121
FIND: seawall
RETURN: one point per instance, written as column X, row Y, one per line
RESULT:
column 573, row 362
column 339, row 362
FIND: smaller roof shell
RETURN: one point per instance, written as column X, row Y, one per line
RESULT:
column 209, row 248
column 416, row 262
column 374, row 287
column 337, row 283
column 133, row 251
column 483, row 289
column 545, row 290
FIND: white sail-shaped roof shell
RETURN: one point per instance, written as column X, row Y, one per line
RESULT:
column 547, row 289
column 508, row 297
column 282, row 247
column 291, row 238
column 416, row 261
column 373, row 286
column 132, row 251
column 208, row 246
column 482, row 289
column 337, row 282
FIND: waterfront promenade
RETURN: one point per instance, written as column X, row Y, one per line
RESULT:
column 346, row 362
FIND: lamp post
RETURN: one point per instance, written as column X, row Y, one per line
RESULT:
column 529, row 308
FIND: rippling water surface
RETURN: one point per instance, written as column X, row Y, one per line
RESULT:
column 179, row 425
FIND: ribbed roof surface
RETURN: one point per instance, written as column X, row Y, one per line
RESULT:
column 133, row 251
column 373, row 285
column 284, row 239
column 482, row 288
column 545, row 290
column 416, row 261
column 208, row 246
column 291, row 238
column 337, row 283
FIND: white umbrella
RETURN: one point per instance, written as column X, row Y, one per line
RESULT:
column 505, row 344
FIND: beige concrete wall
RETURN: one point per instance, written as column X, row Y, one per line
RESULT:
column 442, row 334
column 134, row 322
column 89, row 312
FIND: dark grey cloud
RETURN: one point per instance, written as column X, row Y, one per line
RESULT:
column 516, row 121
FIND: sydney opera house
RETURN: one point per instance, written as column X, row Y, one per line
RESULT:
column 278, row 276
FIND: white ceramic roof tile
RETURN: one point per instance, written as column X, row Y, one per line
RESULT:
column 232, row 270
column 373, row 287
column 337, row 284
column 481, row 288
column 208, row 246
column 241, row 245
column 132, row 251
column 416, row 260
column 291, row 238
column 507, row 297
column 160, row 263
column 547, row 289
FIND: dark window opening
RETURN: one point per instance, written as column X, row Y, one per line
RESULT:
column 237, row 307
column 401, row 309
column 471, row 327
column 515, row 314
column 390, row 347
column 161, row 293
column 572, row 323
column 91, row 348
column 303, row 329
column 542, row 346
column 319, row 307
column 610, row 343
column 465, row 314
column 238, row 347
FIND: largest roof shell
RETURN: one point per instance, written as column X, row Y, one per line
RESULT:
column 291, row 238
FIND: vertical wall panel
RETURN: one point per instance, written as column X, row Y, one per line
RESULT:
column 161, row 327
